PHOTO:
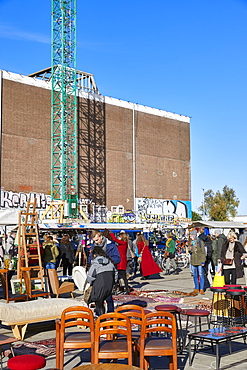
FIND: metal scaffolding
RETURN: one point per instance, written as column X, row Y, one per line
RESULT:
column 64, row 110
column 84, row 81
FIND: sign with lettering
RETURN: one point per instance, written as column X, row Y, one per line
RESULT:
column 162, row 209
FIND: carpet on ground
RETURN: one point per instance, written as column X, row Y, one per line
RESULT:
column 151, row 298
column 46, row 347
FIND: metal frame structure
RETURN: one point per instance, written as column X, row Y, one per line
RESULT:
column 84, row 81
column 64, row 110
column 65, row 82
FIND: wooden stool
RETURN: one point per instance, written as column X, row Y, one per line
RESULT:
column 196, row 314
column 219, row 307
column 26, row 362
column 236, row 305
column 175, row 310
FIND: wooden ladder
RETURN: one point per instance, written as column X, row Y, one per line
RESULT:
column 28, row 237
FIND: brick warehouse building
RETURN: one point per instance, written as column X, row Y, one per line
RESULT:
column 126, row 151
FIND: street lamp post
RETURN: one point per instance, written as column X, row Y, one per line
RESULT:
column 203, row 205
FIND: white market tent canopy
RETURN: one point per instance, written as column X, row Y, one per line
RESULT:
column 78, row 225
column 9, row 216
column 218, row 224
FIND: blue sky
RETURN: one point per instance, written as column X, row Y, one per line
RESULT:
column 187, row 57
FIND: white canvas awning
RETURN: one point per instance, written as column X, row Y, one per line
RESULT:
column 9, row 216
column 218, row 224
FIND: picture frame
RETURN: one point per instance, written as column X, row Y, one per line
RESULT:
column 16, row 286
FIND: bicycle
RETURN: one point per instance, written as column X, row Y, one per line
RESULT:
column 158, row 256
column 182, row 260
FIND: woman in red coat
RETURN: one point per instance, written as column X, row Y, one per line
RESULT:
column 148, row 265
column 122, row 244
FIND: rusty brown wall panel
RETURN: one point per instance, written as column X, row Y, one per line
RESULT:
column 25, row 138
column 162, row 157
column 162, row 148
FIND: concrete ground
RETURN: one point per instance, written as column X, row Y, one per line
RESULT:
column 204, row 359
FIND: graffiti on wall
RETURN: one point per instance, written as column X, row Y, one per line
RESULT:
column 10, row 199
column 162, row 209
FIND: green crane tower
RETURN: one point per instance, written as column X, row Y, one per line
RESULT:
column 64, row 185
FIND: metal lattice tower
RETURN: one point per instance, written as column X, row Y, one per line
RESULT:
column 64, row 110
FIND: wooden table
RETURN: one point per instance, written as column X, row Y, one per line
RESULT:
column 5, row 339
column 108, row 366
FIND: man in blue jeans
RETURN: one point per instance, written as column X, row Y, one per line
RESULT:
column 197, row 262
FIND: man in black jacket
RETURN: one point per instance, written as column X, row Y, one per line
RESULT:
column 220, row 240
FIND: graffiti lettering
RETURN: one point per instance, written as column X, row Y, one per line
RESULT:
column 175, row 208
column 19, row 200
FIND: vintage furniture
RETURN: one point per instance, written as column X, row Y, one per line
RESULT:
column 216, row 336
column 19, row 315
column 175, row 310
column 56, row 287
column 32, row 293
column 236, row 309
column 4, row 339
column 195, row 314
column 26, row 362
column 158, row 338
column 107, row 366
column 136, row 315
column 5, row 285
column 79, row 317
column 110, row 325
column 219, row 307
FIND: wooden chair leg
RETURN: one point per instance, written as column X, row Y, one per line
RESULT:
column 146, row 363
column 61, row 359
column 57, row 354
column 92, row 354
column 171, row 364
column 175, row 362
column 96, row 359
column 135, row 357
column 141, row 361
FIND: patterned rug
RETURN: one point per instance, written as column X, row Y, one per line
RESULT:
column 150, row 299
column 45, row 348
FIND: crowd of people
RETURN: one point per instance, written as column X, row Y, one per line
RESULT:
column 217, row 253
column 112, row 259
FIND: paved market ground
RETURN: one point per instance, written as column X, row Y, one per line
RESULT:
column 182, row 282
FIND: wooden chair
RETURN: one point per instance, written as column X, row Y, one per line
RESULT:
column 78, row 316
column 150, row 345
column 32, row 293
column 56, row 287
column 136, row 315
column 5, row 285
column 109, row 325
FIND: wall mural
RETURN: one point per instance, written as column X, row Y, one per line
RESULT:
column 10, row 199
column 146, row 209
column 162, row 209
